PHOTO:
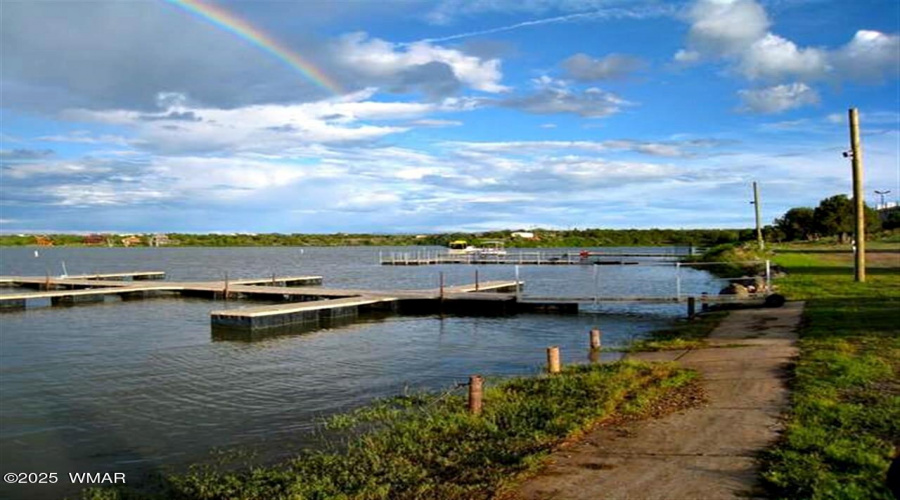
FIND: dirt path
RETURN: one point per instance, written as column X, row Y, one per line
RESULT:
column 706, row 452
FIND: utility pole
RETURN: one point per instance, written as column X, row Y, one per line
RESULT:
column 755, row 203
column 858, row 202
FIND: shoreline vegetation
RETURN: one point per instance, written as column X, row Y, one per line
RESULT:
column 430, row 446
column 537, row 238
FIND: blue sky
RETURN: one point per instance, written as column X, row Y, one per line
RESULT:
column 452, row 115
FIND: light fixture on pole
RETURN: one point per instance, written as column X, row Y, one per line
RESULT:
column 882, row 193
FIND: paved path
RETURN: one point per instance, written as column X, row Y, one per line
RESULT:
column 706, row 452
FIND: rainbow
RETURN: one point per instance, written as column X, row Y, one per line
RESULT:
column 226, row 21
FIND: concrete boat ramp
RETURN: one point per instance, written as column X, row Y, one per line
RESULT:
column 308, row 306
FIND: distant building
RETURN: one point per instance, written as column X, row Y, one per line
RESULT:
column 94, row 239
column 525, row 235
column 131, row 241
column 159, row 240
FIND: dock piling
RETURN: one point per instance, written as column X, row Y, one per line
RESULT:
column 595, row 339
column 691, row 307
column 553, row 359
column 476, row 391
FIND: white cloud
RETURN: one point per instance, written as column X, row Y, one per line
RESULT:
column 53, row 169
column 266, row 128
column 418, row 63
column 773, row 58
column 870, row 56
column 726, row 26
column 584, row 68
column 778, row 98
column 737, row 31
column 687, row 56
column 432, row 122
column 555, row 96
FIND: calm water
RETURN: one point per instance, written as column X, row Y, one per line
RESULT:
column 135, row 386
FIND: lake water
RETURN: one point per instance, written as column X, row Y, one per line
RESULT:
column 140, row 386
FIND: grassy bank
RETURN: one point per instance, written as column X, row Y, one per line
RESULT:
column 430, row 447
column 684, row 334
column 844, row 422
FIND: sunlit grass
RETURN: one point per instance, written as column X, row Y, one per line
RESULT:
column 844, row 422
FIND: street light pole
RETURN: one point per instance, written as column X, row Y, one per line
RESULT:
column 882, row 193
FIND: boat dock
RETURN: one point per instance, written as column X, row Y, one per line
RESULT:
column 306, row 305
column 524, row 258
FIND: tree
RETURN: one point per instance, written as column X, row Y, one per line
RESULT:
column 797, row 224
column 835, row 217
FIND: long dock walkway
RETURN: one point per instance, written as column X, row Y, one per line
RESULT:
column 526, row 258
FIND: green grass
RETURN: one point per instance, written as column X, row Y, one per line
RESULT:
column 430, row 447
column 684, row 334
column 844, row 421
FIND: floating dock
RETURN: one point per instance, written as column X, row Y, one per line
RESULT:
column 306, row 305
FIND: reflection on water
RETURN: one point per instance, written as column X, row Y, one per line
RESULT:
column 132, row 386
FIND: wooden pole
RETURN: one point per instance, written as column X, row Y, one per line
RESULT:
column 442, row 285
column 859, row 232
column 595, row 339
column 225, row 294
column 476, row 280
column 476, row 391
column 553, row 359
column 692, row 307
column 759, row 234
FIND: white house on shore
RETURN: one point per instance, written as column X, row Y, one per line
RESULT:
column 525, row 235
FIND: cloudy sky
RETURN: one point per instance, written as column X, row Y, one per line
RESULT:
column 414, row 116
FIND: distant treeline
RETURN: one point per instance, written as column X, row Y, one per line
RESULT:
column 536, row 238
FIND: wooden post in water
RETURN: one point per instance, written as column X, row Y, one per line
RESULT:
column 553, row 359
column 476, row 391
column 704, row 302
column 476, row 280
column 595, row 339
column 442, row 285
column 225, row 294
column 692, row 307
column 858, row 202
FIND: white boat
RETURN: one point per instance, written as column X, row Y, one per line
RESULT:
column 492, row 247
